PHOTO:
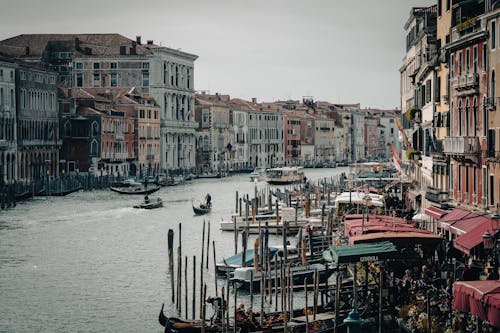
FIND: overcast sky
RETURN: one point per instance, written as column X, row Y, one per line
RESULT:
column 336, row 51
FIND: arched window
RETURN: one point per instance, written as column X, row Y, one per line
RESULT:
column 95, row 129
column 467, row 117
column 67, row 129
column 460, row 119
column 94, row 148
column 475, row 124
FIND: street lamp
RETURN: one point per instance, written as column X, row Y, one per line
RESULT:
column 490, row 240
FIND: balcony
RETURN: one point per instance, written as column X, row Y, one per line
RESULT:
column 115, row 157
column 150, row 157
column 462, row 148
column 119, row 136
column 436, row 195
column 466, row 84
column 4, row 145
column 491, row 103
column 179, row 124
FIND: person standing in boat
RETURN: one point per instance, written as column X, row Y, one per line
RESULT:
column 208, row 200
column 146, row 198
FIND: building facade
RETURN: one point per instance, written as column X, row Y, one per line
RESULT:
column 8, row 124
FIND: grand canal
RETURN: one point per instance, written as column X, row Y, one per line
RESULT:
column 89, row 262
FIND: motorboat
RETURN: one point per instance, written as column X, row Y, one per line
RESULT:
column 150, row 204
column 258, row 174
column 285, row 175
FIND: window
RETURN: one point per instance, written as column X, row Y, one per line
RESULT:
column 114, row 80
column 447, row 4
column 145, row 65
column 97, row 65
column 460, row 60
column 113, row 65
column 149, row 114
column 79, row 79
column 474, row 55
column 145, row 79
column 452, row 65
column 484, row 57
column 467, row 61
column 493, row 35
column 79, row 65
column 97, row 80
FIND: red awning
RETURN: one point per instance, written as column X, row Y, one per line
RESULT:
column 479, row 298
column 401, row 238
column 454, row 216
column 392, row 184
column 435, row 212
column 474, row 237
column 468, row 224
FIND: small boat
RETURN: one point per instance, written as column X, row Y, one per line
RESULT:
column 59, row 192
column 201, row 210
column 176, row 325
column 134, row 190
column 234, row 261
column 258, row 174
column 244, row 276
column 151, row 204
column 285, row 175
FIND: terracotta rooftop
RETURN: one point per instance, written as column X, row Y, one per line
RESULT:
column 34, row 45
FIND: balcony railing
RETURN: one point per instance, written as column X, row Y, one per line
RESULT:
column 150, row 157
column 466, row 83
column 436, row 195
column 119, row 136
column 115, row 156
column 462, row 147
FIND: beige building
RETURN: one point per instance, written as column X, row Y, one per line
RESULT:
column 146, row 115
column 492, row 24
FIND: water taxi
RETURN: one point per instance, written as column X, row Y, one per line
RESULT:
column 285, row 175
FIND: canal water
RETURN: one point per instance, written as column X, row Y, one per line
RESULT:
column 89, row 262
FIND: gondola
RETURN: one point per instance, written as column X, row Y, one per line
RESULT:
column 59, row 192
column 150, row 205
column 201, row 210
column 176, row 325
column 134, row 190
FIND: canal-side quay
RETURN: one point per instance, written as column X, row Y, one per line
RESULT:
column 89, row 262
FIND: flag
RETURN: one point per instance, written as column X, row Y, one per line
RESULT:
column 396, row 160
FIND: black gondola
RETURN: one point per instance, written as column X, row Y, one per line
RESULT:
column 176, row 325
column 134, row 190
column 201, row 210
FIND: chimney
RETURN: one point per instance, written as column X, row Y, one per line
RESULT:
column 254, row 100
column 27, row 50
column 150, row 42
column 138, row 40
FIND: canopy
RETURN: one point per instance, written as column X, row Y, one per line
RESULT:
column 421, row 217
column 480, row 298
column 454, row 216
column 399, row 238
column 360, row 252
column 473, row 238
column 357, row 198
column 435, row 212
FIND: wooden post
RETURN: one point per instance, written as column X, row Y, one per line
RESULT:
column 208, row 245
column 223, row 309
column 239, row 210
column 194, row 289
column 380, row 307
column 251, row 292
column 235, row 290
column 179, row 279
column 236, row 209
column 202, row 300
column 276, row 284
column 171, row 261
column 203, row 246
column 306, row 310
column 227, row 298
column 337, row 300
column 215, row 269
column 185, row 287
column 316, row 286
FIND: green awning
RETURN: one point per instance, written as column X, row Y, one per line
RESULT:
column 360, row 252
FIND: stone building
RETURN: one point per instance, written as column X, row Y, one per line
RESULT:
column 466, row 144
column 113, row 61
column 325, row 140
column 38, row 140
column 491, row 22
column 145, row 114
column 8, row 130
